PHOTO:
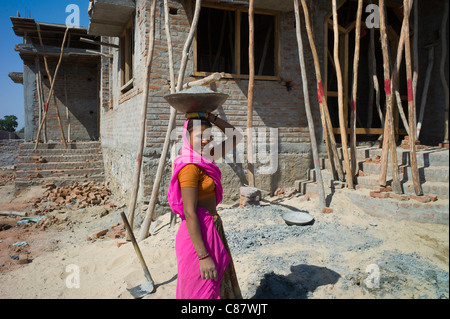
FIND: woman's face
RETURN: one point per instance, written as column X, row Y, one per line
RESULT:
column 200, row 137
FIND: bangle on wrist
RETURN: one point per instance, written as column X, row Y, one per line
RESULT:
column 203, row 257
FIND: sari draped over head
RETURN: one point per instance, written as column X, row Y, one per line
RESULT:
column 190, row 285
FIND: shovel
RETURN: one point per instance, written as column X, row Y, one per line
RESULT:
column 145, row 288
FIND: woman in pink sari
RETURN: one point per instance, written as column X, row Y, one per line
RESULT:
column 205, row 266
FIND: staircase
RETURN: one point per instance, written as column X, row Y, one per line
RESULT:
column 433, row 165
column 53, row 163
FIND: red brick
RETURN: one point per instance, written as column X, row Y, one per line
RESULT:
column 100, row 233
column 422, row 199
column 433, row 197
column 398, row 196
column 327, row 210
column 379, row 195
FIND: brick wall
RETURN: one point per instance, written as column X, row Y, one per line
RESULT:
column 80, row 81
column 274, row 106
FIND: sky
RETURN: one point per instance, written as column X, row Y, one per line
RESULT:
column 50, row 11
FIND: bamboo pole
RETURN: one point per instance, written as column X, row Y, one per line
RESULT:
column 39, row 92
column 425, row 89
column 355, row 89
column 395, row 73
column 143, row 117
column 50, row 81
column 342, row 125
column 389, row 136
column 415, row 77
column 442, row 67
column 251, row 82
column 327, row 126
column 173, row 217
column 312, row 133
column 67, row 108
column 411, row 106
column 374, row 81
column 205, row 81
column 50, row 94
column 173, row 112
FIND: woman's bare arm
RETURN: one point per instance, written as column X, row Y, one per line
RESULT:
column 190, row 195
column 230, row 132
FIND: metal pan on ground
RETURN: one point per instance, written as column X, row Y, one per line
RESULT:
column 196, row 99
column 297, row 218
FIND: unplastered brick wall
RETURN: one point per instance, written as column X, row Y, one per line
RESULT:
column 274, row 106
column 76, row 92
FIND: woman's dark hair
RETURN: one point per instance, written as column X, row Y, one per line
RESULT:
column 205, row 122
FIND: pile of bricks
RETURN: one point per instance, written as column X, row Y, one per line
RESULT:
column 117, row 230
column 78, row 195
column 406, row 145
column 386, row 192
column 5, row 179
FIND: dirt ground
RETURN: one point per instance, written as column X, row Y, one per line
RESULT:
column 345, row 254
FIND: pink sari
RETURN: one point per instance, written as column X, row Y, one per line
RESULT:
column 190, row 285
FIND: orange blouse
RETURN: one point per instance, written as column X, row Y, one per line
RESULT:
column 193, row 176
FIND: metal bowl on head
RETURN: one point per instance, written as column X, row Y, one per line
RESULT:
column 297, row 218
column 196, row 99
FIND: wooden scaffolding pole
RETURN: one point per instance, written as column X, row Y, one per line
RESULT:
column 251, row 82
column 374, row 84
column 173, row 217
column 52, row 88
column 143, row 122
column 411, row 107
column 342, row 126
column 395, row 75
column 312, row 133
column 173, row 112
column 327, row 127
column 389, row 137
column 355, row 89
column 425, row 88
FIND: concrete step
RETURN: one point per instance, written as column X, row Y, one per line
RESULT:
column 440, row 188
column 59, row 152
column 52, row 146
column 432, row 212
column 23, row 174
column 426, row 157
column 61, row 158
column 80, row 161
column 59, row 165
column 59, row 182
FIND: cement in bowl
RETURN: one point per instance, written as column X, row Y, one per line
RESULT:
column 297, row 218
column 196, row 99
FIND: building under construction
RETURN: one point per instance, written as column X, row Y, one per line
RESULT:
column 102, row 78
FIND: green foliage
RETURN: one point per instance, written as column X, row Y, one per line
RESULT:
column 9, row 123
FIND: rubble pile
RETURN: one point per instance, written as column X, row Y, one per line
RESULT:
column 76, row 196
column 5, row 179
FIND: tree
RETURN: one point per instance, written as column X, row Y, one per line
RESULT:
column 8, row 123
